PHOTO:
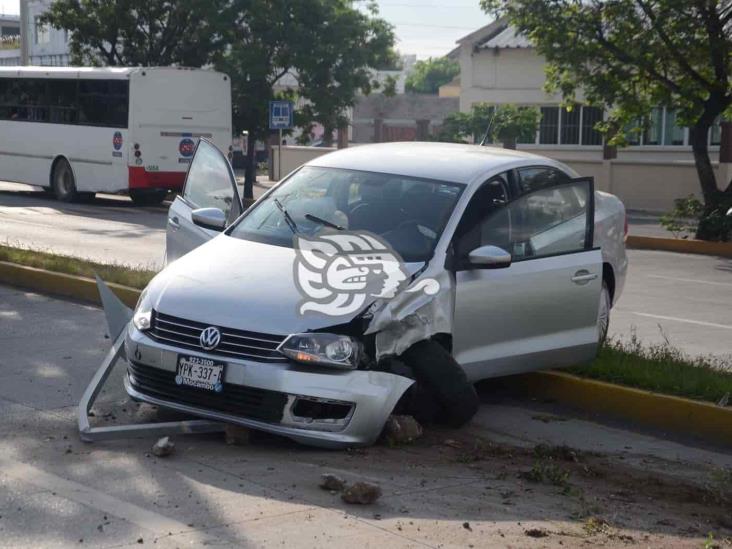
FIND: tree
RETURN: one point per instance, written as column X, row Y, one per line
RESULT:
column 632, row 55
column 504, row 123
column 341, row 47
column 430, row 74
column 140, row 32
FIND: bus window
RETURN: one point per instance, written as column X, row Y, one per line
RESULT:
column 63, row 101
column 104, row 103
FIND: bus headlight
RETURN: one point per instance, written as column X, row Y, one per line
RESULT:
column 331, row 350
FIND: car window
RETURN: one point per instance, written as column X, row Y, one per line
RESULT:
column 409, row 213
column 208, row 183
column 545, row 222
column 540, row 177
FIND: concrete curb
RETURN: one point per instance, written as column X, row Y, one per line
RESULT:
column 680, row 415
column 669, row 413
column 688, row 246
column 64, row 285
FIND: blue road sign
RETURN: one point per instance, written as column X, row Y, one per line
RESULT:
column 281, row 115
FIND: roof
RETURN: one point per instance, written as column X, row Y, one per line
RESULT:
column 509, row 37
column 449, row 162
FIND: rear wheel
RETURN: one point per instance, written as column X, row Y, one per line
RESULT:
column 435, row 367
column 63, row 182
column 148, row 197
column 603, row 314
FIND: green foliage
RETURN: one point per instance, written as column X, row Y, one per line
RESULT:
column 683, row 220
column 505, row 123
column 660, row 368
column 141, row 32
column 632, row 55
column 430, row 74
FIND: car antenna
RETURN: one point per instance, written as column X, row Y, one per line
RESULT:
column 488, row 129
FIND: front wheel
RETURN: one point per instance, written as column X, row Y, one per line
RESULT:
column 63, row 182
column 603, row 314
column 148, row 197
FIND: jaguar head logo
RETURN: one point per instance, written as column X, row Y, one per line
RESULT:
column 339, row 273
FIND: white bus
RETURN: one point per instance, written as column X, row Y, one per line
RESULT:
column 80, row 131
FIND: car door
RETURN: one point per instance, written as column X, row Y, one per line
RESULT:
column 210, row 183
column 541, row 310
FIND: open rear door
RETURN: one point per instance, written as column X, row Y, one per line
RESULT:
column 210, row 183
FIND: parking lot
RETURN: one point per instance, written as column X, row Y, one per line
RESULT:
column 483, row 485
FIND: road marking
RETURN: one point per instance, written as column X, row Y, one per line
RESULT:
column 150, row 520
column 695, row 281
column 676, row 319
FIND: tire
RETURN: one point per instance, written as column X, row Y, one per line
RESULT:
column 63, row 182
column 435, row 368
column 603, row 314
column 147, row 197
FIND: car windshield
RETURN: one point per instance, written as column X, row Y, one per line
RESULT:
column 409, row 213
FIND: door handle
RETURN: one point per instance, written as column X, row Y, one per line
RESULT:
column 583, row 277
column 174, row 222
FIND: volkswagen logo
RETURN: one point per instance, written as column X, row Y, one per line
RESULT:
column 210, row 338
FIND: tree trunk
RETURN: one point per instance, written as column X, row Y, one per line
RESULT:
column 327, row 137
column 698, row 135
column 250, row 167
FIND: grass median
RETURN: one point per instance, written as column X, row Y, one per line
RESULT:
column 661, row 368
column 119, row 274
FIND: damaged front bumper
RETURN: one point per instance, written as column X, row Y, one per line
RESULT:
column 317, row 406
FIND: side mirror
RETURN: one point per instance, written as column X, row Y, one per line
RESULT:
column 489, row 257
column 209, row 218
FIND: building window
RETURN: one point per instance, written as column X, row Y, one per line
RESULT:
column 673, row 133
column 549, row 126
column 570, row 126
column 715, row 134
column 590, row 117
column 653, row 127
column 42, row 32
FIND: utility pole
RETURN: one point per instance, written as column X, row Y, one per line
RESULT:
column 25, row 33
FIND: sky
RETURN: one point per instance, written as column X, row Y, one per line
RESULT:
column 428, row 28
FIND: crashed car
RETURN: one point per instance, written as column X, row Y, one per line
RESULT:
column 373, row 279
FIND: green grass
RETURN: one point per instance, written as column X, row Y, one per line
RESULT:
column 661, row 368
column 121, row 274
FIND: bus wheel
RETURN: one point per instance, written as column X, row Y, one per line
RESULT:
column 64, row 186
column 148, row 197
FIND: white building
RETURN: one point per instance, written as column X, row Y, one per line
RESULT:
column 499, row 66
column 9, row 40
column 41, row 44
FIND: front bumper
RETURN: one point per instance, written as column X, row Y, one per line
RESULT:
column 372, row 395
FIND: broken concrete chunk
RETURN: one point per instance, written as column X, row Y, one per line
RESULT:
column 362, row 493
column 163, row 447
column 237, row 435
column 332, row 482
column 402, row 429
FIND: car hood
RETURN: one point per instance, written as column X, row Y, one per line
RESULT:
column 239, row 284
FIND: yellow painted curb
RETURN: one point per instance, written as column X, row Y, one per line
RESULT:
column 688, row 246
column 49, row 282
column 670, row 413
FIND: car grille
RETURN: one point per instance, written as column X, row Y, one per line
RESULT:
column 237, row 400
column 234, row 343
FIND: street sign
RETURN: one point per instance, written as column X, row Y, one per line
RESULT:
column 281, row 115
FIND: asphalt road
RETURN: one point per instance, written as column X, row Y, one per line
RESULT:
column 685, row 298
column 453, row 488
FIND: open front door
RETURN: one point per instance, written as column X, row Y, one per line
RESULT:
column 210, row 183
column 541, row 311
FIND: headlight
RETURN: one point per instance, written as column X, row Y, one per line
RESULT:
column 143, row 312
column 334, row 351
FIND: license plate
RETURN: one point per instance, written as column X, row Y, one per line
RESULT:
column 201, row 373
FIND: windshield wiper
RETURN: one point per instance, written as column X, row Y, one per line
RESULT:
column 288, row 218
column 325, row 222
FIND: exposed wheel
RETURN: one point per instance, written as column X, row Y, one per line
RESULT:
column 63, row 182
column 148, row 197
column 603, row 314
column 435, row 368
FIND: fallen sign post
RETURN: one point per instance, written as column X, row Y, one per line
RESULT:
column 118, row 316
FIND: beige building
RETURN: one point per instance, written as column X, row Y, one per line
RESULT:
column 500, row 66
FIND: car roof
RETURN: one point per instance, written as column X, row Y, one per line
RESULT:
column 441, row 161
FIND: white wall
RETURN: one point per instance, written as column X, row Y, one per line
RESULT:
column 293, row 157
column 55, row 51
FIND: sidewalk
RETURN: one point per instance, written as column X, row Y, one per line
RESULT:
column 642, row 223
